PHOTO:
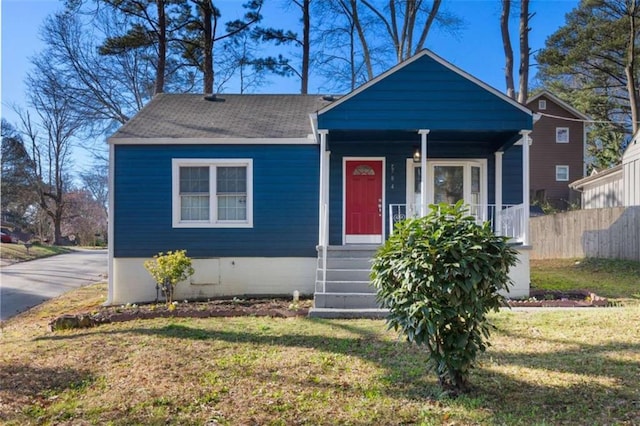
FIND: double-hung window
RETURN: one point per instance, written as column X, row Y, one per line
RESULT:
column 212, row 193
column 562, row 173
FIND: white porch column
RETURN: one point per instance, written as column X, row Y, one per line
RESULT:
column 322, row 196
column 525, row 184
column 497, row 214
column 423, row 174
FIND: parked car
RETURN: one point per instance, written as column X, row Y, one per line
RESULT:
column 6, row 238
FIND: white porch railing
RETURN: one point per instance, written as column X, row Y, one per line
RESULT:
column 509, row 221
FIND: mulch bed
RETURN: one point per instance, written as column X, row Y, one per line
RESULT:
column 276, row 308
column 560, row 299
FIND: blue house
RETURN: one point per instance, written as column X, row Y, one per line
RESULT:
column 275, row 193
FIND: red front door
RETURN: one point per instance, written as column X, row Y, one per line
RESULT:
column 363, row 186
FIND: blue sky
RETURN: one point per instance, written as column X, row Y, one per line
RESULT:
column 477, row 49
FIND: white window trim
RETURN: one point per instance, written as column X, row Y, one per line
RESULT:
column 560, row 168
column 212, row 163
column 542, row 104
column 557, row 132
column 431, row 163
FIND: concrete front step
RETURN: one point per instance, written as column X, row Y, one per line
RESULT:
column 334, row 313
column 345, row 275
column 347, row 263
column 352, row 251
column 346, row 300
column 363, row 287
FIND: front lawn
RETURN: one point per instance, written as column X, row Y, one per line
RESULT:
column 17, row 252
column 545, row 367
column 619, row 279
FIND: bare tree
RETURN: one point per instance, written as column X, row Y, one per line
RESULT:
column 96, row 182
column 403, row 22
column 347, row 59
column 50, row 138
column 105, row 90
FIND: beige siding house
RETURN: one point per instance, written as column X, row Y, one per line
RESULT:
column 614, row 187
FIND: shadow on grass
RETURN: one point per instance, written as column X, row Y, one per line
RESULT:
column 30, row 381
column 582, row 383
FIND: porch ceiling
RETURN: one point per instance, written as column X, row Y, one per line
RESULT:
column 496, row 140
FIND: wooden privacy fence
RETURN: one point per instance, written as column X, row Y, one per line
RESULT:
column 612, row 233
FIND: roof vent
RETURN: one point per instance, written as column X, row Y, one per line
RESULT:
column 329, row 98
column 212, row 97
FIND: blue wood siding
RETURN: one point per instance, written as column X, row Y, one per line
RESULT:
column 425, row 94
column 512, row 175
column 285, row 202
column 396, row 155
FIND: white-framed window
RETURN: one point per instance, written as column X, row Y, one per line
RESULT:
column 562, row 135
column 542, row 104
column 449, row 181
column 562, row 173
column 211, row 193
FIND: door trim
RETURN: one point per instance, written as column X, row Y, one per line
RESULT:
column 362, row 239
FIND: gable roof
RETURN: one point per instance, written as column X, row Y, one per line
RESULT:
column 425, row 92
column 441, row 61
column 190, row 116
column 562, row 104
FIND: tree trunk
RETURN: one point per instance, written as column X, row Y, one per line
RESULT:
column 508, row 50
column 306, row 42
column 363, row 40
column 629, row 69
column 162, row 47
column 523, row 75
column 207, row 46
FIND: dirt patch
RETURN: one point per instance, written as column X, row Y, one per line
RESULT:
column 276, row 308
column 564, row 299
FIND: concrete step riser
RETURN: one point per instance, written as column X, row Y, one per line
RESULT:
column 348, row 313
column 345, row 275
column 349, row 287
column 347, row 263
column 345, row 301
column 355, row 254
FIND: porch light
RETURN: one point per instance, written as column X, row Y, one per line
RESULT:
column 416, row 155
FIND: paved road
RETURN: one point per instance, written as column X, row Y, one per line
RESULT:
column 24, row 285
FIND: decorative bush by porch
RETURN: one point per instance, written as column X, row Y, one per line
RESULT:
column 168, row 270
column 439, row 276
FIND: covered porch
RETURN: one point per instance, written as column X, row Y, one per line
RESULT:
column 423, row 133
column 370, row 182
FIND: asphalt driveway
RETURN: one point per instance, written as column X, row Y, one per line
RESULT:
column 24, row 285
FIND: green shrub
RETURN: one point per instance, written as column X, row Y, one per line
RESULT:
column 168, row 270
column 439, row 276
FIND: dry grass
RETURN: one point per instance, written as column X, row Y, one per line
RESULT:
column 19, row 253
column 545, row 367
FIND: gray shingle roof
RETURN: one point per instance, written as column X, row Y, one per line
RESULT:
column 230, row 116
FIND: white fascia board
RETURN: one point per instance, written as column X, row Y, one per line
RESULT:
column 561, row 103
column 313, row 118
column 309, row 140
column 442, row 62
column 580, row 183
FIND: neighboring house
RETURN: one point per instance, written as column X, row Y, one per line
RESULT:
column 558, row 150
column 275, row 193
column 616, row 186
